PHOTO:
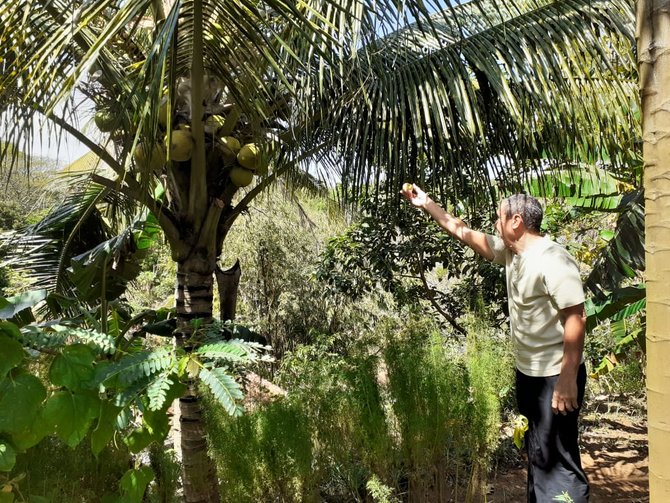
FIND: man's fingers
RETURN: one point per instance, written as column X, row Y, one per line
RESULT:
column 563, row 405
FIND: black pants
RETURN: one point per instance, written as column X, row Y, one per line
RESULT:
column 554, row 464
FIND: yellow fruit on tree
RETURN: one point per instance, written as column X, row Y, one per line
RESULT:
column 153, row 160
column 232, row 143
column 181, row 145
column 249, row 156
column 229, row 157
column 241, row 177
column 104, row 120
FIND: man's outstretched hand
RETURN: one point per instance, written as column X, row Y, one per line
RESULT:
column 414, row 194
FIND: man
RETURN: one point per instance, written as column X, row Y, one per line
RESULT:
column 547, row 321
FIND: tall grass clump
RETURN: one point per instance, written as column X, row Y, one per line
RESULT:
column 264, row 455
column 491, row 370
column 446, row 403
column 405, row 416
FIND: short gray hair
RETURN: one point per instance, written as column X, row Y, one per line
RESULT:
column 528, row 207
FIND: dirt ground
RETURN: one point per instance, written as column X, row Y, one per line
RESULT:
column 614, row 455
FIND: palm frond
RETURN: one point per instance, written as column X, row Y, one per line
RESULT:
column 524, row 81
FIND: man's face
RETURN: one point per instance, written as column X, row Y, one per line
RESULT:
column 504, row 224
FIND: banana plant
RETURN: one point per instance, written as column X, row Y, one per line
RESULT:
column 617, row 294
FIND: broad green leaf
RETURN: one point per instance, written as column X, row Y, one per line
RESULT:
column 139, row 439
column 71, row 415
column 6, row 497
column 38, row 429
column 11, row 354
column 104, row 431
column 73, row 367
column 607, row 234
column 134, row 483
column 7, row 456
column 157, row 423
column 9, row 329
column 20, row 398
column 164, row 328
column 11, row 306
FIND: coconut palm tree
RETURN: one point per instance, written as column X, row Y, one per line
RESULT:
column 654, row 71
column 452, row 94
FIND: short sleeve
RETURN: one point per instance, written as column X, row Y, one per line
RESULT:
column 498, row 247
column 561, row 277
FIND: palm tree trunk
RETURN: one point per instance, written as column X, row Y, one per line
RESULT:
column 194, row 301
column 653, row 43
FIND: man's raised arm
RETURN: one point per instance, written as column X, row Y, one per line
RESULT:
column 453, row 225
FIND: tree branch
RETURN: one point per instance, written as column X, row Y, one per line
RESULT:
column 431, row 298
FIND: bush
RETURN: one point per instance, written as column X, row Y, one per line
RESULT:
column 407, row 415
column 64, row 475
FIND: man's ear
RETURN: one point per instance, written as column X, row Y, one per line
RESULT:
column 517, row 220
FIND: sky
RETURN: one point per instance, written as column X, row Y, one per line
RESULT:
column 64, row 154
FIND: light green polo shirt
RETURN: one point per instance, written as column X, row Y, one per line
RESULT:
column 541, row 280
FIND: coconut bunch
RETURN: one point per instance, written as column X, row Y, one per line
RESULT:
column 232, row 154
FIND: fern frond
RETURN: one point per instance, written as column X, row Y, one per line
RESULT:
column 224, row 388
column 129, row 394
column 33, row 337
column 157, row 390
column 226, row 351
column 137, row 366
column 103, row 342
column 235, row 351
column 55, row 336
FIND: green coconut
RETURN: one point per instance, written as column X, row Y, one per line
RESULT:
column 153, row 160
column 249, row 156
column 181, row 145
column 232, row 143
column 241, row 177
column 104, row 120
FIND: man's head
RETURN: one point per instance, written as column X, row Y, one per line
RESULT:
column 528, row 207
column 518, row 214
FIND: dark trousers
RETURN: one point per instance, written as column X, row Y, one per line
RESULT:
column 552, row 441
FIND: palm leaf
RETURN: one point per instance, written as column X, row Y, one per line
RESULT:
column 513, row 84
column 621, row 303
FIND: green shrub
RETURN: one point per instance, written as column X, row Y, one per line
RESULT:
column 265, row 455
column 65, row 475
column 410, row 413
